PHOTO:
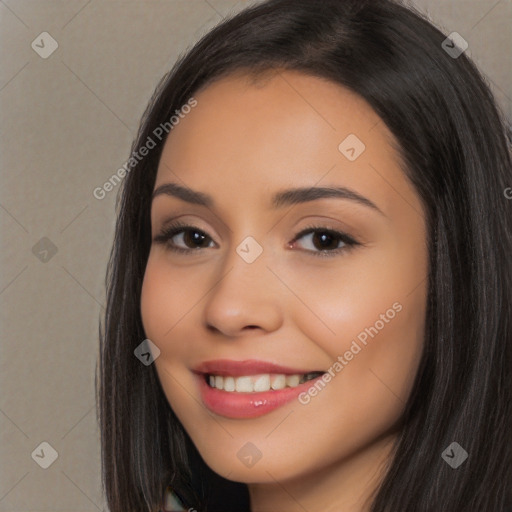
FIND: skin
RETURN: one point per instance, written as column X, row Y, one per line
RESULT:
column 243, row 142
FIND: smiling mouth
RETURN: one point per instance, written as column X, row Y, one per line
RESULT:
column 258, row 383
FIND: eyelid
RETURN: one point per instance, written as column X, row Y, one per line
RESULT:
column 322, row 227
column 191, row 219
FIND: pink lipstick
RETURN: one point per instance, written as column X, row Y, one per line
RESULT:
column 250, row 388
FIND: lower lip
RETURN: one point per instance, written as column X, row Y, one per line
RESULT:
column 247, row 405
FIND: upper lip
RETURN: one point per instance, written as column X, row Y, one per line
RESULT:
column 247, row 367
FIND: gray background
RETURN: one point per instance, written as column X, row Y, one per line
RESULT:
column 68, row 122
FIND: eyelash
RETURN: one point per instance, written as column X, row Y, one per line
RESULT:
column 177, row 227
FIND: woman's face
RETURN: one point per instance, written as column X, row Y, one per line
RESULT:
column 306, row 253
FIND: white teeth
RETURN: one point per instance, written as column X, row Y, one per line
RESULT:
column 292, row 381
column 255, row 383
column 229, row 384
column 262, row 383
column 244, row 385
column 279, row 382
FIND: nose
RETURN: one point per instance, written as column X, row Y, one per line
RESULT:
column 245, row 298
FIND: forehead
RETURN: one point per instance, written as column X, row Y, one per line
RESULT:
column 286, row 128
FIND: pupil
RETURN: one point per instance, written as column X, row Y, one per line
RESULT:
column 192, row 237
column 323, row 238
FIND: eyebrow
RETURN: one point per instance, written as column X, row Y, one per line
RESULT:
column 282, row 198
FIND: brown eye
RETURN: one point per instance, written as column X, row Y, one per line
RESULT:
column 183, row 238
column 193, row 238
column 322, row 241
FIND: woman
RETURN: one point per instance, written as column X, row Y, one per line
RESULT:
column 309, row 292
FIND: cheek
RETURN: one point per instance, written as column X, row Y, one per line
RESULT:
column 375, row 353
column 156, row 303
column 395, row 320
column 339, row 304
column 168, row 294
column 165, row 303
column 164, row 306
column 371, row 314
